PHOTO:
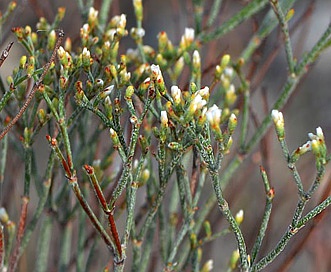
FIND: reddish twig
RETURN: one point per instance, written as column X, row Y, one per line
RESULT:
column 114, row 232
column 2, row 247
column 21, row 227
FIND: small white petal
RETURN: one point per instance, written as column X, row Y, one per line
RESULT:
column 164, row 118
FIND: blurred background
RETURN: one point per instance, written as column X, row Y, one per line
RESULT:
column 307, row 109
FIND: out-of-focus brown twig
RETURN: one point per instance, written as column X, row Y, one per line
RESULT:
column 20, row 233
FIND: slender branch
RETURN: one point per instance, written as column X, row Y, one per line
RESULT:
column 35, row 87
column 5, row 53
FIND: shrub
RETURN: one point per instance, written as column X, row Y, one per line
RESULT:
column 144, row 143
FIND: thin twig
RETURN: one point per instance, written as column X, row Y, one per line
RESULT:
column 19, row 236
column 5, row 53
column 35, row 87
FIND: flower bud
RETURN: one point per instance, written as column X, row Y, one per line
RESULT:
column 196, row 61
column 156, row 76
column 207, row 227
column 225, row 60
column 4, row 218
column 129, row 92
column 175, row 146
column 51, row 40
column 162, row 38
column 42, row 116
column 232, row 123
column 114, row 137
column 178, row 68
column 176, row 95
column 239, row 217
column 208, row 266
column 234, row 259
column 278, row 119
column 86, row 58
column 145, row 175
column 23, row 62
column 138, row 9
column 187, row 39
column 92, row 18
column 164, row 119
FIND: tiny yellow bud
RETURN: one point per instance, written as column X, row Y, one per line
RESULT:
column 289, row 14
column 239, row 217
column 4, row 218
column 234, row 259
column 208, row 266
column 145, row 175
column 138, row 9
column 51, row 40
column 86, row 58
column 12, row 5
column 225, row 60
column 68, row 44
column 129, row 92
column 279, row 123
column 23, row 62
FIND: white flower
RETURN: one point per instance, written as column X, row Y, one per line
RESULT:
column 99, row 82
column 112, row 132
column 122, row 21
column 61, row 52
column 4, row 215
column 132, row 53
column 204, row 92
column 164, row 119
column 93, row 14
column 317, row 140
column 86, row 53
column 214, row 116
column 278, row 118
column 239, row 217
column 228, row 71
column 304, row 148
column 187, row 38
column 85, row 29
column 197, row 103
column 108, row 101
column 156, row 72
column 196, row 59
column 107, row 91
column 147, row 81
column 137, row 32
column 107, row 44
column 319, row 133
column 208, row 266
column 189, row 34
column 176, row 94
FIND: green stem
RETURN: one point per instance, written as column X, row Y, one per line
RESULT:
column 269, row 23
column 224, row 207
column 241, row 16
column 266, row 216
column 27, row 175
column 284, row 27
column 104, row 11
column 214, row 12
column 65, row 248
column 43, row 246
